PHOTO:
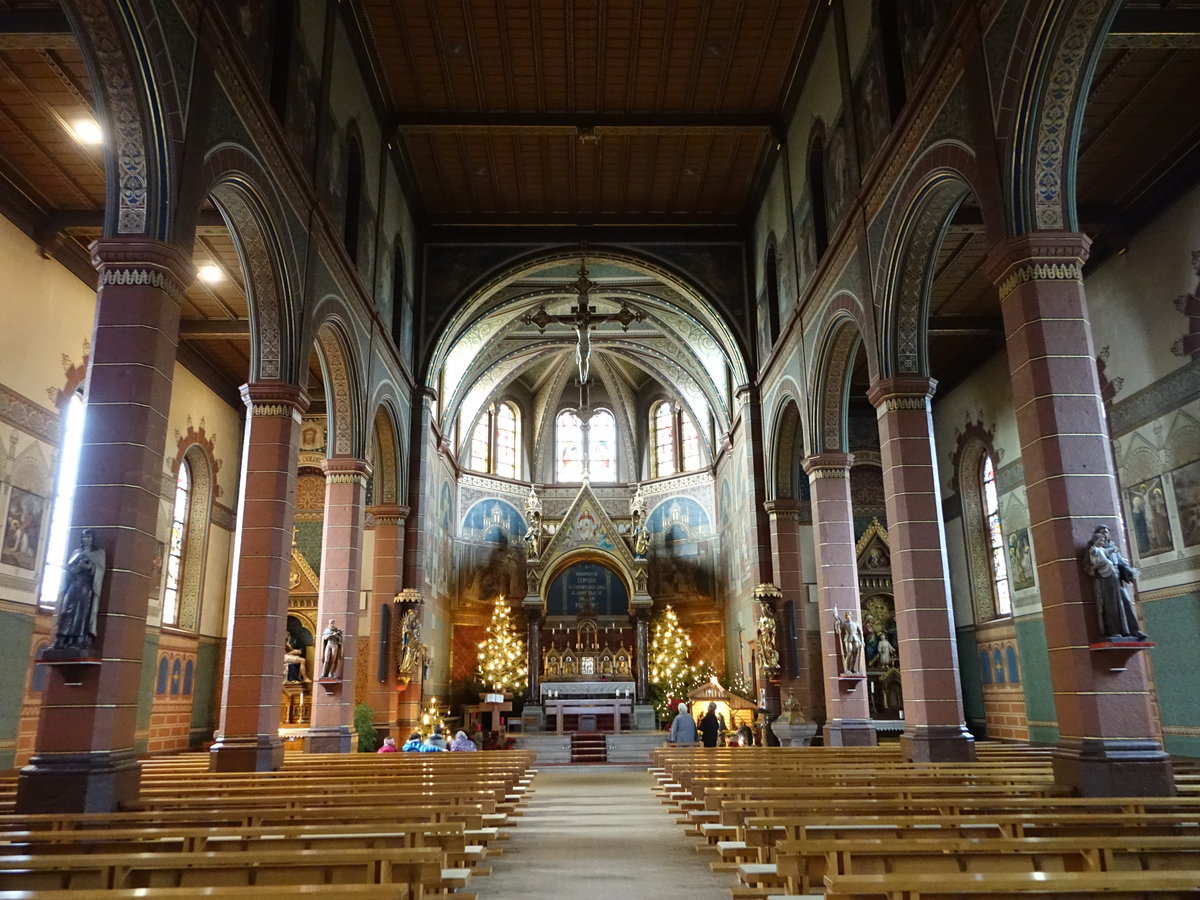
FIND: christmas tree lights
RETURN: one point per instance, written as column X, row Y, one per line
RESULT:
column 670, row 670
column 502, row 660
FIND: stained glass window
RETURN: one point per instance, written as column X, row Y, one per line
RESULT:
column 663, row 426
column 481, row 444
column 507, row 440
column 64, row 496
column 689, row 443
column 179, row 518
column 569, row 440
column 991, row 506
column 602, row 446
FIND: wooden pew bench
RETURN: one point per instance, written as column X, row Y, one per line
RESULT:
column 946, row 885
column 419, row 868
column 245, row 892
column 804, row 863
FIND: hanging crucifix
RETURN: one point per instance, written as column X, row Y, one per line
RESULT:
column 583, row 319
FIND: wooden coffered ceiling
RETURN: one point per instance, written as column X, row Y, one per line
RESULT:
column 588, row 112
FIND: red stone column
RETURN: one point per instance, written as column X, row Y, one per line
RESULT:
column 386, row 581
column 934, row 728
column 785, row 515
column 847, row 715
column 1109, row 737
column 84, row 758
column 332, row 728
column 248, row 735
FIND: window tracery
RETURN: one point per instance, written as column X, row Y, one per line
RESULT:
column 674, row 441
column 496, row 441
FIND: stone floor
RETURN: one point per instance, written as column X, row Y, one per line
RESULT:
column 599, row 833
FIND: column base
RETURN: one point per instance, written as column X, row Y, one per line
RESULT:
column 937, row 743
column 1098, row 768
column 334, row 739
column 850, row 733
column 78, row 782
column 256, row 753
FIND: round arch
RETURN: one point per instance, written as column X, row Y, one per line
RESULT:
column 343, row 392
column 931, row 195
column 787, row 451
column 562, row 563
column 840, row 337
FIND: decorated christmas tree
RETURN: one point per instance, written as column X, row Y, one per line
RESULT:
column 502, row 660
column 671, row 673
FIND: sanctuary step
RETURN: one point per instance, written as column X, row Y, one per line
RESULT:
column 589, row 747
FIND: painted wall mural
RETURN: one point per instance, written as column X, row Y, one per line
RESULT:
column 1150, row 522
column 22, row 529
column 678, row 519
column 495, row 521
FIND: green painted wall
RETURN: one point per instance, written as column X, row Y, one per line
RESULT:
column 1035, row 678
column 204, row 692
column 146, row 690
column 1174, row 625
column 972, row 684
column 16, row 632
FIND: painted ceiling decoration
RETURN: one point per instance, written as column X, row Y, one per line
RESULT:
column 644, row 335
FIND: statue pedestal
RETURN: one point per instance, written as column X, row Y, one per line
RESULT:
column 793, row 731
column 71, row 663
column 850, row 682
column 1115, row 654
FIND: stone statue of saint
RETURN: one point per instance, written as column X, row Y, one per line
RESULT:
column 768, row 652
column 641, row 543
column 533, row 536
column 79, row 601
column 413, row 651
column 884, row 651
column 331, row 650
column 1110, row 576
column 851, row 635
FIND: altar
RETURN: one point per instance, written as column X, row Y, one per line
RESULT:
column 588, row 700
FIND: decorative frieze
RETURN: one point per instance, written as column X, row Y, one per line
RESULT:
column 32, row 418
column 1058, row 271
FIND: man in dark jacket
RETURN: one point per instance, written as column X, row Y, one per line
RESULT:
column 711, row 726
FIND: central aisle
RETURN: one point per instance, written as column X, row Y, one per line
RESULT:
column 595, row 833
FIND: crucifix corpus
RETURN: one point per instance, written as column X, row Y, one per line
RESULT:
column 583, row 318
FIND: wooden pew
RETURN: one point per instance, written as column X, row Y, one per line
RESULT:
column 244, row 892
column 947, row 885
column 418, row 868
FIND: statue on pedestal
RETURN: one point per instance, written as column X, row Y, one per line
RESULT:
column 851, row 635
column 1110, row 576
column 331, row 650
column 79, row 602
column 768, row 651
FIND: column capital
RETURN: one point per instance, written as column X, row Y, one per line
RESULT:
column 783, row 508
column 828, row 465
column 902, row 392
column 137, row 261
column 345, row 470
column 1041, row 256
column 274, row 398
column 389, row 513
column 748, row 391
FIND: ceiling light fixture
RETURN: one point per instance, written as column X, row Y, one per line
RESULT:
column 87, row 131
column 210, row 273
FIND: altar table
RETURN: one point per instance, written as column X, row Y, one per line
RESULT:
column 612, row 706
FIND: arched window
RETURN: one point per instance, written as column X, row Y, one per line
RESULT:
column 771, row 276
column 602, row 446
column 354, row 187
column 675, row 440
column 64, row 497
column 601, row 436
column 568, row 438
column 662, row 422
column 175, row 549
column 991, row 508
column 816, row 190
column 496, row 441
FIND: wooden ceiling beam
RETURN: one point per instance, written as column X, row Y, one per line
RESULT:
column 217, row 330
column 35, row 29
column 583, row 125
